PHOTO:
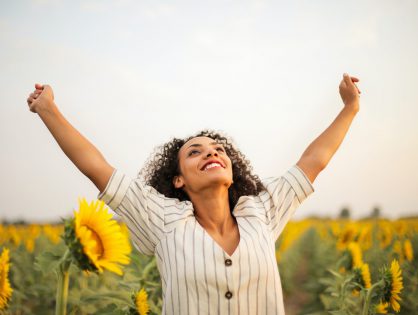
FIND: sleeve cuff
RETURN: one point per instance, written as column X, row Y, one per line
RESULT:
column 299, row 182
column 115, row 189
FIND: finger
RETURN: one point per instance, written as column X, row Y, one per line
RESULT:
column 354, row 79
column 359, row 92
column 39, row 86
column 30, row 100
column 347, row 79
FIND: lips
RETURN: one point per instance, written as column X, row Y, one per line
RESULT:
column 210, row 162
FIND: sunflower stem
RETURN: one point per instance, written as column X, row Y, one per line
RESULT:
column 62, row 284
column 369, row 296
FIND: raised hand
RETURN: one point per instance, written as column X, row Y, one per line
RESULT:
column 350, row 94
column 41, row 98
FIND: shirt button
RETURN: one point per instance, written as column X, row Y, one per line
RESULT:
column 228, row 262
column 228, row 295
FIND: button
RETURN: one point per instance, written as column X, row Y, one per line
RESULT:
column 228, row 262
column 228, row 295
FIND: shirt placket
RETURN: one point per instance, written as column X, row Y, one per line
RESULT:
column 231, row 292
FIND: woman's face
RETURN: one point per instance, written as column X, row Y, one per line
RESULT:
column 203, row 163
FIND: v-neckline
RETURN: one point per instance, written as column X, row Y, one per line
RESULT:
column 217, row 244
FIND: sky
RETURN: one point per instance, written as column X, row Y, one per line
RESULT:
column 130, row 75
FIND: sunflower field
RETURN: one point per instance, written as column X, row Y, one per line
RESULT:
column 87, row 265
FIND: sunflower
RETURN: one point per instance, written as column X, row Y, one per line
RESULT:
column 5, row 289
column 356, row 256
column 397, row 250
column 385, row 234
column 408, row 251
column 362, row 277
column 95, row 240
column 381, row 308
column 392, row 285
column 365, row 238
column 346, row 236
column 141, row 302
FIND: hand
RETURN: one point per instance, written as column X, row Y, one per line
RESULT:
column 350, row 94
column 42, row 98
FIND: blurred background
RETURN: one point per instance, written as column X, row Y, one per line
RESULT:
column 130, row 75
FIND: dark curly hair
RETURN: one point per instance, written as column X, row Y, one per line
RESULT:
column 163, row 165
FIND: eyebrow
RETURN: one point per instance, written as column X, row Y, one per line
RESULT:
column 199, row 145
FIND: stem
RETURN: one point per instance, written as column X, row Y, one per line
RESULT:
column 369, row 297
column 62, row 284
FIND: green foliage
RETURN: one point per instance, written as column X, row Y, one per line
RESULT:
column 309, row 269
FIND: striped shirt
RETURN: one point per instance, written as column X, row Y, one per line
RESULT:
column 198, row 276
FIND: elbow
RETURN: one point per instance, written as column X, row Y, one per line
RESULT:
column 311, row 167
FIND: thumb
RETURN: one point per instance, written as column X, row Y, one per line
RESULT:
column 347, row 79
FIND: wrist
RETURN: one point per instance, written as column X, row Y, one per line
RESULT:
column 352, row 107
column 50, row 108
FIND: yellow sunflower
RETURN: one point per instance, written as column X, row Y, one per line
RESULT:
column 5, row 288
column 381, row 308
column 141, row 302
column 356, row 255
column 409, row 252
column 95, row 240
column 397, row 250
column 362, row 276
column 393, row 285
column 346, row 236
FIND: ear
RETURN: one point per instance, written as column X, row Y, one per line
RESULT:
column 178, row 182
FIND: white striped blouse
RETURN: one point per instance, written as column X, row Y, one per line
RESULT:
column 198, row 276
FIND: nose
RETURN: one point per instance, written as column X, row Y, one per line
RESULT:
column 212, row 152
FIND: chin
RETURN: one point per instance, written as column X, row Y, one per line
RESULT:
column 219, row 180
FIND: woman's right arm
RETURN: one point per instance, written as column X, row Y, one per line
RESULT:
column 76, row 147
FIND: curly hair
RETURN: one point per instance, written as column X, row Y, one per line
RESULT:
column 163, row 165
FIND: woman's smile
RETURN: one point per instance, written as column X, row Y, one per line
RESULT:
column 212, row 164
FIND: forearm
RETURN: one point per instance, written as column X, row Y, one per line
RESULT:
column 321, row 150
column 76, row 147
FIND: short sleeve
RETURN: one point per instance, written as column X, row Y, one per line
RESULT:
column 284, row 195
column 141, row 208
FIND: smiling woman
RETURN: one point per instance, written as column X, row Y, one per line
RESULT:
column 213, row 229
column 168, row 160
column 196, row 205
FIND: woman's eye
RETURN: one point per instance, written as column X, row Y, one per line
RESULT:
column 193, row 151
column 221, row 149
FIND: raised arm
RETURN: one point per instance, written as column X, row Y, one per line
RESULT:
column 317, row 155
column 77, row 148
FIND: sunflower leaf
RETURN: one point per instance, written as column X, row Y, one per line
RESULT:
column 47, row 262
column 95, row 297
column 110, row 309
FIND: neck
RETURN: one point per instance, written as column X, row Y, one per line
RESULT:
column 212, row 210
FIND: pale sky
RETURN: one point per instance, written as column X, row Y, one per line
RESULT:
column 130, row 75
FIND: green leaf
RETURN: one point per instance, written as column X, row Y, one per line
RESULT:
column 110, row 309
column 335, row 273
column 96, row 297
column 339, row 312
column 47, row 262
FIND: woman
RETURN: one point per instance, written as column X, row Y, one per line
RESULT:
column 195, row 205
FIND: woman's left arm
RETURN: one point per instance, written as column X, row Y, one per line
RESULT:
column 317, row 155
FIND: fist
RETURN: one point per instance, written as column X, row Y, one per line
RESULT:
column 41, row 98
column 350, row 94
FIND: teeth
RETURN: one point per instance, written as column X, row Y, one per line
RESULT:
column 212, row 165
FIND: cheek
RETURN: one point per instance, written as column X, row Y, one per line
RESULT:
column 188, row 167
